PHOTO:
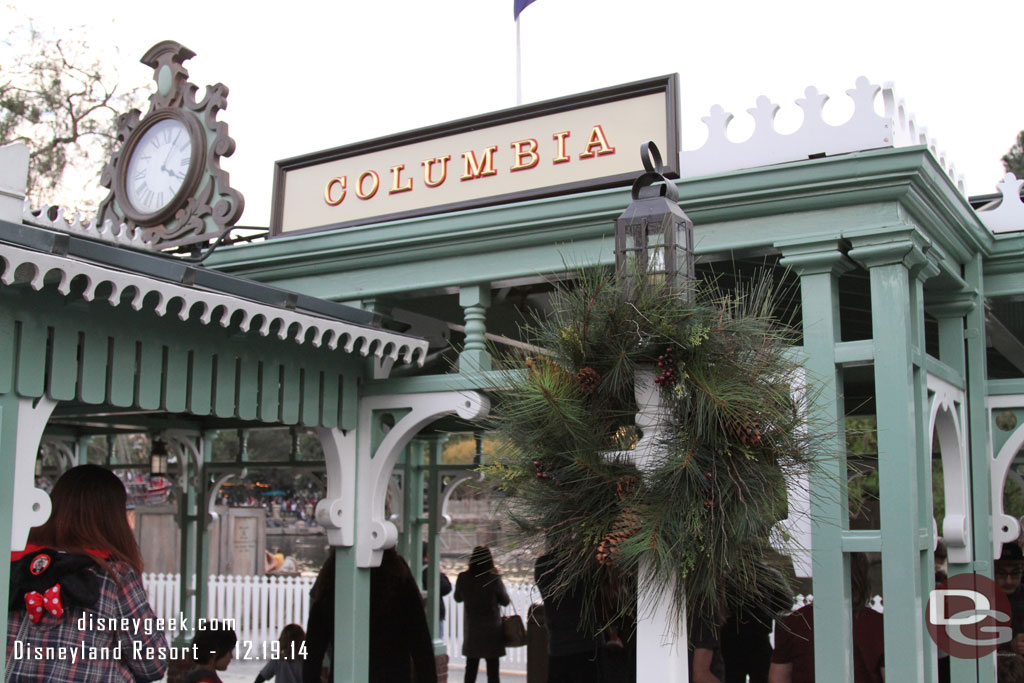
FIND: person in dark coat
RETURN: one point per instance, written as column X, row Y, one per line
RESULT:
column 400, row 644
column 481, row 589
column 443, row 583
column 573, row 649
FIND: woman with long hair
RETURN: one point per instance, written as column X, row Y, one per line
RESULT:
column 481, row 589
column 400, row 646
column 73, row 587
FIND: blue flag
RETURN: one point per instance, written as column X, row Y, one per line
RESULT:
column 520, row 5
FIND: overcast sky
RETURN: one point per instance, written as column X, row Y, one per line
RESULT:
column 306, row 76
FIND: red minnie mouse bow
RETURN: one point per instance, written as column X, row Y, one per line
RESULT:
column 49, row 601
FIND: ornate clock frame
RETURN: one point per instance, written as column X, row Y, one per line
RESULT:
column 205, row 206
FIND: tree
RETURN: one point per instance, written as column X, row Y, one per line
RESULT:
column 62, row 101
column 1013, row 160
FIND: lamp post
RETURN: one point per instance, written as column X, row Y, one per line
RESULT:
column 654, row 246
column 158, row 458
column 653, row 236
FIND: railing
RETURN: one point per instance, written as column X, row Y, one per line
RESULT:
column 262, row 605
column 259, row 605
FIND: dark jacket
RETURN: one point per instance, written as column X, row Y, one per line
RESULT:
column 399, row 638
column 444, row 584
column 563, row 613
column 483, row 596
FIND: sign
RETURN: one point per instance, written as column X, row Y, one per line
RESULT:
column 575, row 143
column 968, row 616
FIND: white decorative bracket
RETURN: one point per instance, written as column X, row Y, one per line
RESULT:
column 947, row 421
column 1005, row 528
column 374, row 532
column 187, row 446
column 396, row 489
column 337, row 511
column 31, row 505
column 64, row 449
column 211, row 501
column 1009, row 215
column 455, row 480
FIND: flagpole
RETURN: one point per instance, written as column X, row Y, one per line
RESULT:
column 519, row 69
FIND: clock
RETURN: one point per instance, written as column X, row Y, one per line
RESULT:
column 164, row 161
column 167, row 188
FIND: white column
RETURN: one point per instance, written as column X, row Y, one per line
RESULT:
column 662, row 642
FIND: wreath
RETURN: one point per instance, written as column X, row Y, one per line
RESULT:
column 698, row 513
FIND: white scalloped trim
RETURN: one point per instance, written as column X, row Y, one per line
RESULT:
column 25, row 266
column 1009, row 215
column 122, row 236
column 864, row 130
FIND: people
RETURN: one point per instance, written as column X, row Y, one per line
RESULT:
column 1009, row 569
column 573, row 649
column 320, row 624
column 793, row 658
column 85, row 552
column 278, row 564
column 286, row 666
column 444, row 585
column 745, row 635
column 705, row 656
column 214, row 648
column 481, row 589
column 400, row 645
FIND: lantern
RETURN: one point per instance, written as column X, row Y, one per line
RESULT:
column 653, row 237
column 158, row 458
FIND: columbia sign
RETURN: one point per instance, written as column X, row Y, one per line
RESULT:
column 968, row 616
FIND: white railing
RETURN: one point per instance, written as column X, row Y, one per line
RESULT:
column 259, row 605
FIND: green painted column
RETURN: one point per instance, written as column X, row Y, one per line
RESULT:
column 435, row 446
column 475, row 299
column 202, row 545
column 188, row 515
column 351, row 618
column 8, row 436
column 819, row 266
column 417, row 456
column 950, row 313
column 896, row 267
column 979, row 444
column 82, row 450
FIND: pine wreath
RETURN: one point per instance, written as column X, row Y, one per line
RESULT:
column 699, row 516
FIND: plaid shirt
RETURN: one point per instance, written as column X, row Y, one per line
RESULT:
column 39, row 665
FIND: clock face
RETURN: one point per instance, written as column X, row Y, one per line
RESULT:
column 158, row 166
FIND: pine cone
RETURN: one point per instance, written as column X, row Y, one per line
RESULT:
column 749, row 433
column 625, row 486
column 625, row 527
column 588, row 380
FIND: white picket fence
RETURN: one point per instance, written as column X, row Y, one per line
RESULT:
column 259, row 605
column 262, row 605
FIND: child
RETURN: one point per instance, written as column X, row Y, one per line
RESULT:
column 213, row 650
column 287, row 667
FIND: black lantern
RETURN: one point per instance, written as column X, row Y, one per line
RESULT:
column 158, row 458
column 653, row 237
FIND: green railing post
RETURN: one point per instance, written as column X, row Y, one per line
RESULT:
column 896, row 269
column 819, row 267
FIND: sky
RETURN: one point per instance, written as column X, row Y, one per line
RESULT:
column 307, row 75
